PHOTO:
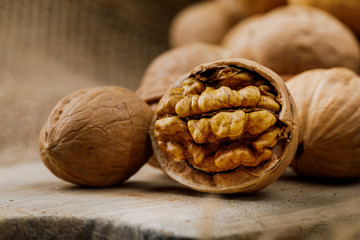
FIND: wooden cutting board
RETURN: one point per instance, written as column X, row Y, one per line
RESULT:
column 35, row 204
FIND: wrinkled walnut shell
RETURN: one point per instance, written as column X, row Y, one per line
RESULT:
column 293, row 39
column 241, row 178
column 206, row 21
column 96, row 136
column 328, row 103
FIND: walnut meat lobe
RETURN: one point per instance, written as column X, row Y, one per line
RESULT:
column 328, row 102
column 96, row 136
column 227, row 126
column 166, row 68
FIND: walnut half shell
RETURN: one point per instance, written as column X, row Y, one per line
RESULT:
column 227, row 126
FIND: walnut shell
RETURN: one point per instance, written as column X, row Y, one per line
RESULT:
column 293, row 39
column 347, row 11
column 165, row 69
column 328, row 103
column 248, row 176
column 206, row 21
column 96, row 136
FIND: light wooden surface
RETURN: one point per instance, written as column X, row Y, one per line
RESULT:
column 35, row 204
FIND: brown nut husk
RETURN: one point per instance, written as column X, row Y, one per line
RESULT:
column 228, row 126
column 328, row 103
column 293, row 39
column 206, row 21
column 348, row 11
column 251, row 7
column 96, row 136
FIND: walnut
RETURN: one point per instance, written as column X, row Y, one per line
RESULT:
column 96, row 136
column 227, row 126
column 293, row 39
column 251, row 7
column 165, row 69
column 347, row 11
column 329, row 112
column 206, row 21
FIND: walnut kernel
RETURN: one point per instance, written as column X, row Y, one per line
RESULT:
column 222, row 136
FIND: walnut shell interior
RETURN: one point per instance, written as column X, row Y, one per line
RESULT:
column 228, row 126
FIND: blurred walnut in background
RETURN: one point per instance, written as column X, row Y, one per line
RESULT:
column 251, row 7
column 166, row 68
column 293, row 39
column 328, row 103
column 347, row 11
column 206, row 21
column 209, row 21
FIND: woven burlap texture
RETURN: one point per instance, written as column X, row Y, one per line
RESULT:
column 49, row 48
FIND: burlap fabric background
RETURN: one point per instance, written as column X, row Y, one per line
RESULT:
column 49, row 48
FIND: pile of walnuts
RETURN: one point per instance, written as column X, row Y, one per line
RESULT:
column 214, row 113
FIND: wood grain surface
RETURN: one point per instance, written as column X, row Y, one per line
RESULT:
column 36, row 205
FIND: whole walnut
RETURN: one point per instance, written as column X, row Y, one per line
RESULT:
column 251, row 7
column 228, row 126
column 206, row 21
column 328, row 103
column 96, row 136
column 348, row 11
column 293, row 39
